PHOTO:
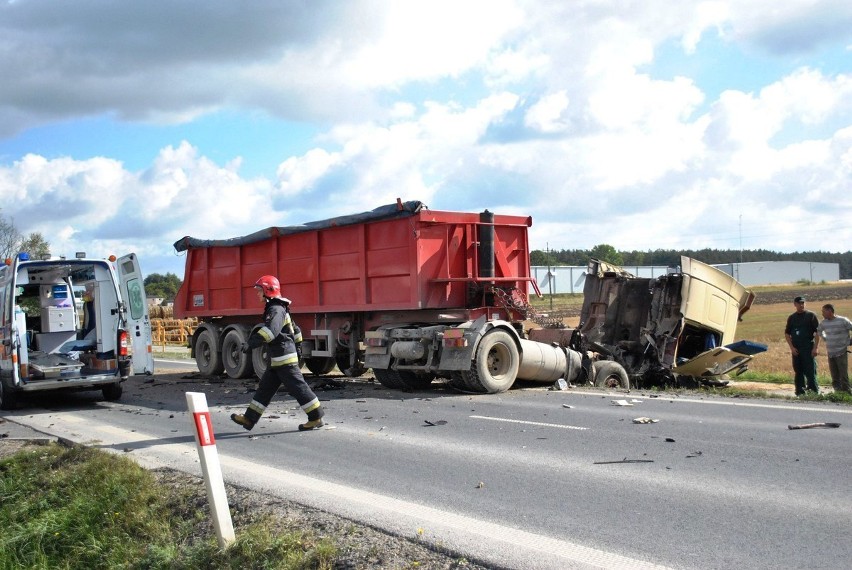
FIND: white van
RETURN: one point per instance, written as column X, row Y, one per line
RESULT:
column 72, row 324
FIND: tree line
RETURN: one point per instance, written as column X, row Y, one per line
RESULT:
column 671, row 257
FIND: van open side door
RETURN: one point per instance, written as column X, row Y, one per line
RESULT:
column 138, row 324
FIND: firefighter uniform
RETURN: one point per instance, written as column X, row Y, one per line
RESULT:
column 283, row 339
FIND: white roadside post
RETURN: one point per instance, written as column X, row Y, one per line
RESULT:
column 206, row 444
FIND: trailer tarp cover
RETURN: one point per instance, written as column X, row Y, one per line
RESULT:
column 390, row 211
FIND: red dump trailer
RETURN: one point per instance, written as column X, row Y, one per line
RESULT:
column 413, row 293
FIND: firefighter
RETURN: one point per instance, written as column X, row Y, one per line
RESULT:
column 283, row 339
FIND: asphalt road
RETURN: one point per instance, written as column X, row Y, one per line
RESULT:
column 528, row 479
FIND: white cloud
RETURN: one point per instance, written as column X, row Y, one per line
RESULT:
column 550, row 109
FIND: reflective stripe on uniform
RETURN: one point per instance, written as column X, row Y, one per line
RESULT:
column 312, row 405
column 291, row 358
column 257, row 407
column 266, row 333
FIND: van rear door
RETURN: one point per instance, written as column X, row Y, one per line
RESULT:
column 138, row 324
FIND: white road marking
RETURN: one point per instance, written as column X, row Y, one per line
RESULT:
column 778, row 406
column 560, row 426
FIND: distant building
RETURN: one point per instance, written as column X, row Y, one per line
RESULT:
column 781, row 272
column 157, row 301
column 559, row 279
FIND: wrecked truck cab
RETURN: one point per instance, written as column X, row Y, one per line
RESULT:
column 674, row 329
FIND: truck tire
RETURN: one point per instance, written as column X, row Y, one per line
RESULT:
column 320, row 365
column 8, row 397
column 415, row 380
column 388, row 378
column 610, row 374
column 357, row 369
column 112, row 392
column 260, row 360
column 207, row 355
column 235, row 362
column 495, row 365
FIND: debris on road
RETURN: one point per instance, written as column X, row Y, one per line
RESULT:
column 570, row 407
column 625, row 460
column 621, row 403
column 438, row 423
column 815, row 425
column 560, row 384
column 644, row 420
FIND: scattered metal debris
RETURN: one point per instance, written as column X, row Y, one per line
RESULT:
column 644, row 420
column 560, row 385
column 568, row 406
column 438, row 423
column 815, row 425
column 625, row 460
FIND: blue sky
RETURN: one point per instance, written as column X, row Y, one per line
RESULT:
column 644, row 125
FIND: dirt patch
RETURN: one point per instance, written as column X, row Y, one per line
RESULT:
column 813, row 293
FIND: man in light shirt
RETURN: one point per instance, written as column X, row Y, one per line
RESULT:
column 835, row 330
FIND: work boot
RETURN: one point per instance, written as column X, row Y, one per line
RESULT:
column 314, row 419
column 310, row 424
column 244, row 421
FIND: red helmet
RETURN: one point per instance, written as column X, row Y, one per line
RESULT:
column 269, row 285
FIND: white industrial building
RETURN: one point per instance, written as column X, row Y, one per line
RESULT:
column 781, row 272
column 559, row 279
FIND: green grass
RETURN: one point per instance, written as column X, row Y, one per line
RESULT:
column 83, row 508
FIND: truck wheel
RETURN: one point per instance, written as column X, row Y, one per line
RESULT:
column 342, row 360
column 320, row 365
column 8, row 398
column 112, row 392
column 415, row 380
column 495, row 366
column 260, row 360
column 388, row 378
column 609, row 374
column 207, row 356
column 234, row 361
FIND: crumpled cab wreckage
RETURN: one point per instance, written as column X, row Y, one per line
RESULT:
column 673, row 330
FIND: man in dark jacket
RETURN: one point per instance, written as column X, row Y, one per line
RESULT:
column 283, row 340
column 801, row 333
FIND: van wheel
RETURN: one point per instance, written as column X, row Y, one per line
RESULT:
column 112, row 392
column 207, row 355
column 8, row 398
column 610, row 374
column 235, row 363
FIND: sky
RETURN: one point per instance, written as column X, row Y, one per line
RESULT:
column 644, row 124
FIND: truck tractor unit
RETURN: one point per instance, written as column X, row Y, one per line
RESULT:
column 413, row 294
column 71, row 324
column 676, row 329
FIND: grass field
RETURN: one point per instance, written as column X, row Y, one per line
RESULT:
column 765, row 324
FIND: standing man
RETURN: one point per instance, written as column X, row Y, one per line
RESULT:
column 283, row 339
column 801, row 334
column 835, row 330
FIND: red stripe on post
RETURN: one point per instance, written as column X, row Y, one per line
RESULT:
column 204, row 428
